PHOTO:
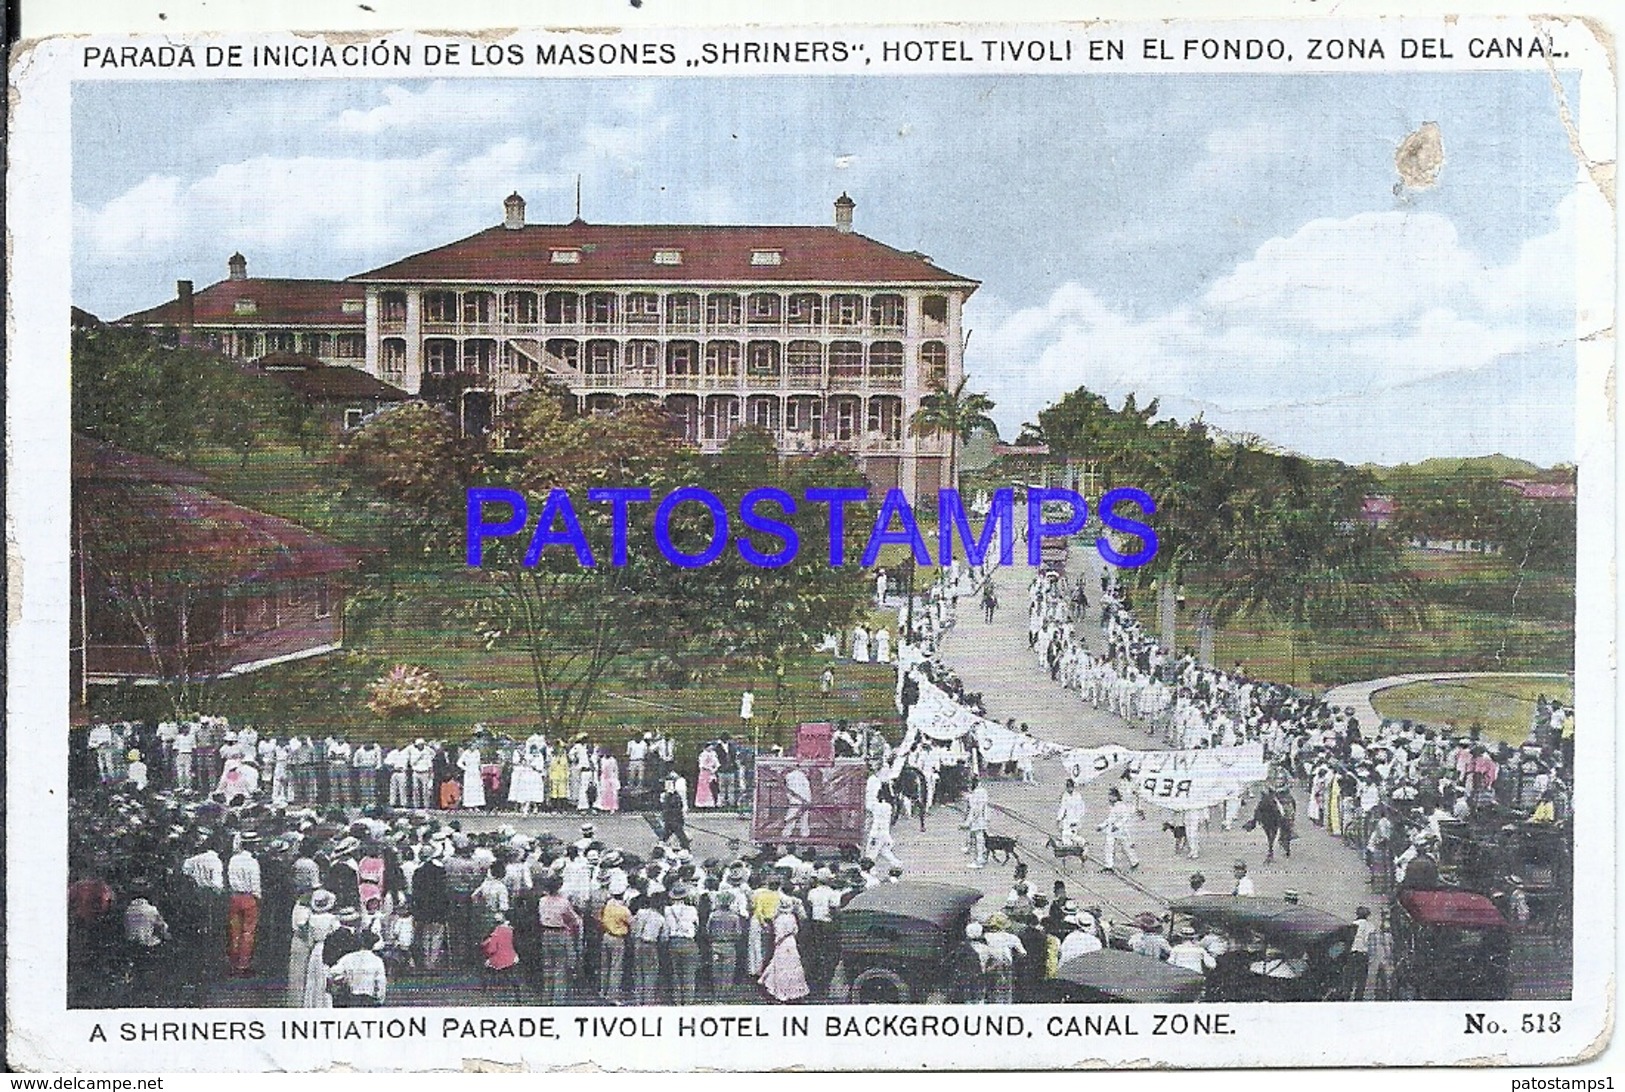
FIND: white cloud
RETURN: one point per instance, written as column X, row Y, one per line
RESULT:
column 438, row 105
column 1313, row 331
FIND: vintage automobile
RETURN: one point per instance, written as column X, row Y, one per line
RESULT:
column 896, row 939
column 1278, row 950
column 1110, row 975
column 1449, row 945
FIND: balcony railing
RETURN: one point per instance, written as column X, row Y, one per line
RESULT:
column 652, row 327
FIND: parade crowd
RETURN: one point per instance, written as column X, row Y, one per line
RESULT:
column 338, row 873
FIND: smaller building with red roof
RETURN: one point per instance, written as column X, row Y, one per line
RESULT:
column 172, row 580
column 250, row 317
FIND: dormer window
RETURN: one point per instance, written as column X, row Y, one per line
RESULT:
column 767, row 257
column 567, row 256
column 668, row 257
column 246, row 307
column 354, row 307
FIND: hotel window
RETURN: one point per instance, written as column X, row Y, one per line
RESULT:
column 934, row 313
column 721, row 416
column 886, row 360
column 683, row 309
column 722, row 359
column 246, row 307
column 562, row 308
column 324, row 599
column 350, row 346
column 642, row 309
column 280, row 341
column 887, row 312
column 723, row 309
column 318, row 344
column 602, row 307
column 767, row 257
column 601, row 356
column 668, row 257
column 845, row 309
column 804, row 309
column 765, row 308
column 566, row 256
column 440, row 307
column 392, row 360
column 478, row 306
column 479, row 355
column 643, row 358
column 682, row 359
column 934, row 364
column 440, row 355
column 566, row 351
column 394, row 306
column 763, row 358
column 764, row 413
column 805, row 361
column 353, row 307
column 846, row 417
column 845, row 361
column 520, row 308
column 886, row 418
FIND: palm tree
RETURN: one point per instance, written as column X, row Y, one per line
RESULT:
column 957, row 412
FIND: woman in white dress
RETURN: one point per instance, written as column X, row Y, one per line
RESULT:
column 883, row 646
column 321, row 924
column 529, row 783
column 860, row 645
column 473, row 786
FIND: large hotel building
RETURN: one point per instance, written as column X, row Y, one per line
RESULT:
column 821, row 336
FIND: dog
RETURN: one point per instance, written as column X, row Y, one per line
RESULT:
column 1181, row 836
column 1065, row 853
column 1002, row 846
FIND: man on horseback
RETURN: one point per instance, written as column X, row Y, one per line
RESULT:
column 1276, row 812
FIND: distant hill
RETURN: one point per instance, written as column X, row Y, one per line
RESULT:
column 1478, row 466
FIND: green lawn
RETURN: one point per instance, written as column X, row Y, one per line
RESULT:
column 1484, row 615
column 329, row 693
column 1503, row 706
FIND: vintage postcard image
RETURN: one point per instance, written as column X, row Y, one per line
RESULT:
column 1013, row 546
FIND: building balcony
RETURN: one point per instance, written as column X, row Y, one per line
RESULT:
column 632, row 327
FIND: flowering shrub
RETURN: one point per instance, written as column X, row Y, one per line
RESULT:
column 407, row 688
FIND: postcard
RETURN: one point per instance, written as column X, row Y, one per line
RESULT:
column 977, row 545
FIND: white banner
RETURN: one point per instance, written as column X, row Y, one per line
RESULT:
column 1188, row 780
column 1084, row 764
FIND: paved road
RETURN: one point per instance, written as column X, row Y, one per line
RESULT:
column 994, row 659
column 1359, row 694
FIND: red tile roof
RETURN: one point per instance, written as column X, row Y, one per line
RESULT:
column 244, row 544
column 1532, row 490
column 318, row 382
column 277, row 301
column 613, row 253
column 94, row 461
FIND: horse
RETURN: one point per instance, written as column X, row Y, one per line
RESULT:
column 1276, row 812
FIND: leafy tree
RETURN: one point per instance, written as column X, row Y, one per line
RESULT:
column 131, row 390
column 955, row 412
column 155, row 555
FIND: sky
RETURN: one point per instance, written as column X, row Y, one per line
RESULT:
column 1234, row 246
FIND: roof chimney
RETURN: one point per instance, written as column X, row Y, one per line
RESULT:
column 237, row 267
column 513, row 212
column 184, row 311
column 843, row 212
